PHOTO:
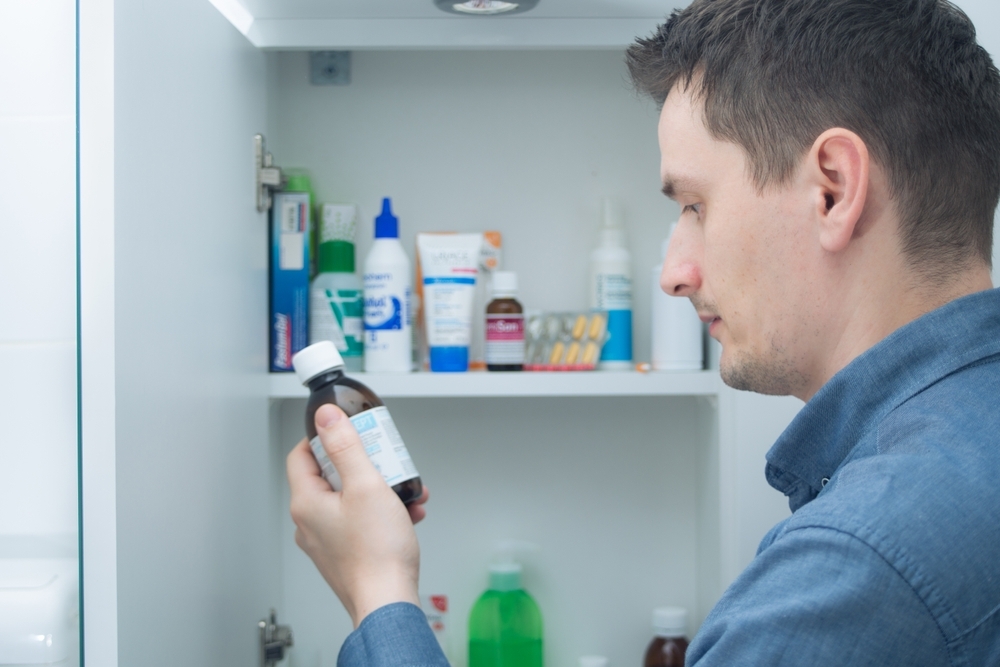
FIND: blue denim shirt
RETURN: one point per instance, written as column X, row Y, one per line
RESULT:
column 396, row 635
column 892, row 553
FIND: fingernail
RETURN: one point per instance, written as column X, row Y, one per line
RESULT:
column 327, row 416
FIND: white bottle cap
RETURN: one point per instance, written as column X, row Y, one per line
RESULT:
column 613, row 215
column 504, row 283
column 593, row 661
column 317, row 358
column 670, row 621
column 612, row 233
column 505, row 576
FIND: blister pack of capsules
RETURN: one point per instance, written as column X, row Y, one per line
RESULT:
column 564, row 341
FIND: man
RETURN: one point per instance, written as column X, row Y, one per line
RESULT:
column 837, row 163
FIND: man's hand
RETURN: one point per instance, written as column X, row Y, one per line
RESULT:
column 361, row 538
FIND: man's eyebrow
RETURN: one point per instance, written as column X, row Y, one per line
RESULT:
column 672, row 184
column 669, row 189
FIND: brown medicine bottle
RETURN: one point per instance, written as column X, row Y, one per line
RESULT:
column 504, row 325
column 670, row 644
column 321, row 368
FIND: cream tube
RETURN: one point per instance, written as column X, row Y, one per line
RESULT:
column 449, row 263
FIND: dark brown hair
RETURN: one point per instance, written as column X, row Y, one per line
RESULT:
column 907, row 76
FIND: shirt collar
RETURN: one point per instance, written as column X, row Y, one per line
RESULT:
column 904, row 363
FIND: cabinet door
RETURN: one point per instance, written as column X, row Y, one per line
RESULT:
column 195, row 516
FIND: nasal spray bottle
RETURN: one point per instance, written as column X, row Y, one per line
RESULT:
column 611, row 288
column 505, row 625
column 387, row 282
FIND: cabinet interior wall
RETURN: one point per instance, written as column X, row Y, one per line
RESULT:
column 616, row 492
column 526, row 143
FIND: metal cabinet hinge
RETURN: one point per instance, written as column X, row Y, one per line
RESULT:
column 274, row 639
column 269, row 177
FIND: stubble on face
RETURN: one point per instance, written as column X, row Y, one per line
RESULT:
column 769, row 372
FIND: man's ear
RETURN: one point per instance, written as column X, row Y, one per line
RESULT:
column 839, row 167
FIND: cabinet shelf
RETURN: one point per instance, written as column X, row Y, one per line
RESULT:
column 442, row 385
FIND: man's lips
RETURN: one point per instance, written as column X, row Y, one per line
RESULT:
column 711, row 320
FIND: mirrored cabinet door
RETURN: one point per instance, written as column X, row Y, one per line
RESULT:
column 39, row 439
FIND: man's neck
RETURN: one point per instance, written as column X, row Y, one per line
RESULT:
column 873, row 309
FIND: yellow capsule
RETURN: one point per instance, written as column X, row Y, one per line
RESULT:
column 579, row 327
column 596, row 327
column 590, row 353
column 573, row 352
column 557, row 352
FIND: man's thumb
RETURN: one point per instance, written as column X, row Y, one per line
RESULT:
column 342, row 444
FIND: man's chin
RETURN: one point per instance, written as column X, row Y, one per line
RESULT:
column 773, row 377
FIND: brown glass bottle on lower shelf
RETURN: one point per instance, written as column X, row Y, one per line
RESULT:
column 670, row 644
column 321, row 368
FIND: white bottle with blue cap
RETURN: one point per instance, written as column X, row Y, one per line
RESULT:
column 387, row 284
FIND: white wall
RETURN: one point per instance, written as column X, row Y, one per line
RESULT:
column 38, row 434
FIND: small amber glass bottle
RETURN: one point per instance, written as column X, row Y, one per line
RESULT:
column 670, row 644
column 321, row 368
column 504, row 325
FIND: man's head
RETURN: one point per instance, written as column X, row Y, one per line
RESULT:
column 793, row 132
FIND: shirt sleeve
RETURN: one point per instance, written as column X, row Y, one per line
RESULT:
column 819, row 596
column 396, row 635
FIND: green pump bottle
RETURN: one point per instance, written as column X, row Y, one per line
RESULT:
column 505, row 626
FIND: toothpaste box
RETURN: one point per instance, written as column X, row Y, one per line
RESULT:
column 289, row 278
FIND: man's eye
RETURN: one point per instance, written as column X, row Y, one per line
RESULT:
column 692, row 208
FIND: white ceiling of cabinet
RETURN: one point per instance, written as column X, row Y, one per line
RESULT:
column 425, row 9
column 419, row 24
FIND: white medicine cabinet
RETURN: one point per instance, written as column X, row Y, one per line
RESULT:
column 640, row 490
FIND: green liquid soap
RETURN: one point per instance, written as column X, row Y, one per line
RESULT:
column 505, row 626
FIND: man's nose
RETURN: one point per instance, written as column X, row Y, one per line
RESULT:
column 681, row 274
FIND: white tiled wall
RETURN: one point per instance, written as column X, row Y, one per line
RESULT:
column 37, row 268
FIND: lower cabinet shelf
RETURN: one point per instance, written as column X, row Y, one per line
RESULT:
column 527, row 384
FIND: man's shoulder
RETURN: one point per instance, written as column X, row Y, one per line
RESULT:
column 958, row 412
column 922, row 492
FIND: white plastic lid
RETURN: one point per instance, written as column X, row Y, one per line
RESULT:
column 613, row 215
column 317, row 358
column 505, row 576
column 593, row 661
column 613, row 228
column 504, row 283
column 670, row 621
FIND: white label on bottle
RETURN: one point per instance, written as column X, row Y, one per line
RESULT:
column 505, row 339
column 383, row 445
column 335, row 315
column 613, row 291
column 386, row 301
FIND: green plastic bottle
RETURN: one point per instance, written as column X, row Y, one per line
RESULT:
column 505, row 626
